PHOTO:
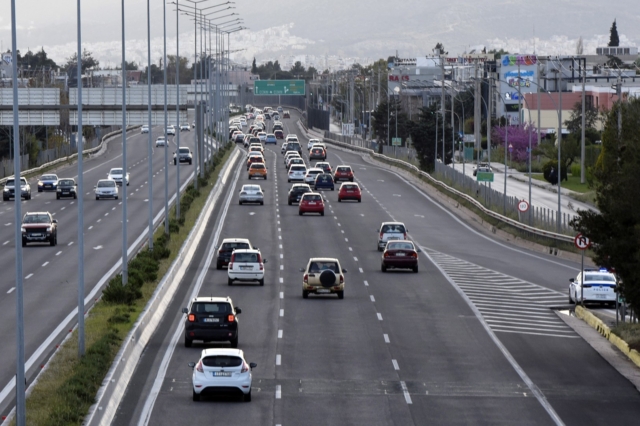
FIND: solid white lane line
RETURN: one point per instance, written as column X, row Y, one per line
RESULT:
column 281, row 312
column 395, row 365
column 373, row 299
column 279, row 334
column 278, row 359
column 407, row 397
column 278, row 392
column 379, row 316
column 45, row 264
column 386, row 338
column 11, row 290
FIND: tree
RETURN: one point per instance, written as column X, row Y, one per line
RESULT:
column 254, row 67
column 157, row 75
column 386, row 113
column 131, row 66
column 570, row 150
column 440, row 48
column 592, row 117
column 497, row 54
column 423, row 135
column 518, row 139
column 88, row 61
column 580, row 46
column 185, row 74
column 615, row 229
column 297, row 68
column 614, row 40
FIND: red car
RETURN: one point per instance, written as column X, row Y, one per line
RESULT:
column 343, row 173
column 311, row 202
column 400, row 254
column 279, row 134
column 350, row 191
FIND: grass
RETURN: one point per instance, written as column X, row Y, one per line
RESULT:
column 67, row 388
column 630, row 333
column 573, row 183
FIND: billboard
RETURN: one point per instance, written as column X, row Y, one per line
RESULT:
column 518, row 75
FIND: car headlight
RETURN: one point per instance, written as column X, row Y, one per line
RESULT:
column 59, row 190
column 6, row 189
column 49, row 228
column 40, row 183
column 22, row 229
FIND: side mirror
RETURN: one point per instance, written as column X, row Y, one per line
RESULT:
column 94, row 187
column 264, row 261
column 252, row 365
column 571, row 280
column 344, row 271
column 255, row 248
column 55, row 220
column 192, row 364
column 302, row 269
column 418, row 250
column 185, row 310
column 238, row 311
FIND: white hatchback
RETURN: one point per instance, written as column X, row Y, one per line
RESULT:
column 297, row 172
column 310, row 176
column 222, row 371
column 246, row 265
column 312, row 142
column 599, row 287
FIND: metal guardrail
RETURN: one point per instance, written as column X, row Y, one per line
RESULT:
column 477, row 204
column 68, row 157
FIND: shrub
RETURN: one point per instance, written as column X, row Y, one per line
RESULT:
column 116, row 293
column 575, row 169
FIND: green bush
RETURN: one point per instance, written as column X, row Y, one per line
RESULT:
column 575, row 169
column 118, row 294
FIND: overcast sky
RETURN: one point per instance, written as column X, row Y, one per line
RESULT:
column 347, row 27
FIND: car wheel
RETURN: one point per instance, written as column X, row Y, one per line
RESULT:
column 189, row 164
column 339, row 199
column 290, row 202
column 116, row 197
column 174, row 162
column 187, row 342
column 379, row 249
column 5, row 199
column 97, row 198
column 305, row 294
column 322, row 213
column 234, row 342
column 265, row 178
column 240, row 202
column 24, row 242
column 39, row 190
column 262, row 203
column 196, row 396
column 351, row 180
column 300, row 213
column 570, row 299
column 288, row 180
column 383, row 268
column 57, row 197
column 75, row 196
column 415, row 269
column 261, row 281
column 230, row 281
column 247, row 397
column 332, row 188
column 359, row 200
column 52, row 241
column 341, row 294
column 218, row 266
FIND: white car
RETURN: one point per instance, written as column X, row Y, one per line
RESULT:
column 291, row 137
column 171, row 130
column 310, row 177
column 116, row 174
column 161, row 141
column 297, row 172
column 185, row 127
column 391, row 231
column 251, row 194
column 246, row 265
column 144, row 129
column 106, row 188
column 598, row 287
column 221, row 370
column 283, row 149
column 262, row 136
column 312, row 142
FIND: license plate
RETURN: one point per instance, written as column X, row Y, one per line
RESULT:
column 349, row 192
column 211, row 320
column 400, row 254
column 246, row 267
column 221, row 374
column 601, row 296
column 312, row 203
column 323, row 290
column 36, row 235
column 65, row 192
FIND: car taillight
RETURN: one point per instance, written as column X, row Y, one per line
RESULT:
column 230, row 265
column 233, row 257
column 414, row 254
column 381, row 235
column 305, row 279
column 199, row 367
column 245, row 367
column 231, row 318
column 341, row 279
column 387, row 254
column 192, row 318
column 405, row 235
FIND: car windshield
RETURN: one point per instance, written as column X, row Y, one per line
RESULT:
column 106, row 184
column 37, row 218
column 599, row 277
column 116, row 171
column 66, row 182
column 316, row 267
column 222, row 361
column 184, row 150
column 49, row 177
column 400, row 246
column 393, row 229
column 210, row 308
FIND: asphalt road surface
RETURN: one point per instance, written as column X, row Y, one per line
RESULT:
column 470, row 339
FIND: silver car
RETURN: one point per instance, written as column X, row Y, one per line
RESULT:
column 106, row 188
column 251, row 194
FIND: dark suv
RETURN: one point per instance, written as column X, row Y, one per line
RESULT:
column 211, row 319
column 296, row 191
column 227, row 247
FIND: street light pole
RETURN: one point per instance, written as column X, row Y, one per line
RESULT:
column 125, row 263
column 177, row 153
column 150, row 141
column 166, row 123
column 80, row 144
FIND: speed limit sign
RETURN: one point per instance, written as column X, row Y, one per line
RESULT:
column 523, row 206
column 581, row 242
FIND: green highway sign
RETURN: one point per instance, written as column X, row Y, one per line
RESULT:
column 278, row 87
column 396, row 141
column 484, row 176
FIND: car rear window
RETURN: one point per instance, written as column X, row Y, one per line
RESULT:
column 222, row 361
column 296, row 168
column 235, row 246
column 245, row 257
column 350, row 187
column 313, row 197
column 317, row 150
column 211, row 308
column 257, row 166
column 324, row 178
column 400, row 246
column 316, row 267
column 344, row 169
column 393, row 228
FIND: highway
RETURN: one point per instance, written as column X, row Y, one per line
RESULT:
column 50, row 273
column 470, row 339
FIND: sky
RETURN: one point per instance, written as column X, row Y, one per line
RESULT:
column 374, row 29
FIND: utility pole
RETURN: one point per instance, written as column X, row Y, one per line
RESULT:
column 582, row 143
column 619, row 94
column 559, row 215
column 476, row 114
column 442, row 105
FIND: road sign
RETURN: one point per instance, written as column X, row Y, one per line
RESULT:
column 396, row 141
column 582, row 242
column 278, row 87
column 510, row 148
column 484, row 176
column 523, row 206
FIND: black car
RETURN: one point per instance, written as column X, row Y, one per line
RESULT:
column 324, row 181
column 227, row 247
column 66, row 188
column 211, row 319
column 296, row 191
column 39, row 227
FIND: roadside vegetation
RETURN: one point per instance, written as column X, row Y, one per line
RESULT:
column 67, row 389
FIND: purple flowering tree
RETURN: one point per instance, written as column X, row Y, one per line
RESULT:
column 518, row 138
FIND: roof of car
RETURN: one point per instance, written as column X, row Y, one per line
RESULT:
column 211, row 299
column 316, row 169
column 236, row 240
column 323, row 259
column 222, row 351
column 34, row 213
column 392, row 223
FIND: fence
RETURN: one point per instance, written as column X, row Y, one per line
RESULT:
column 491, row 199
